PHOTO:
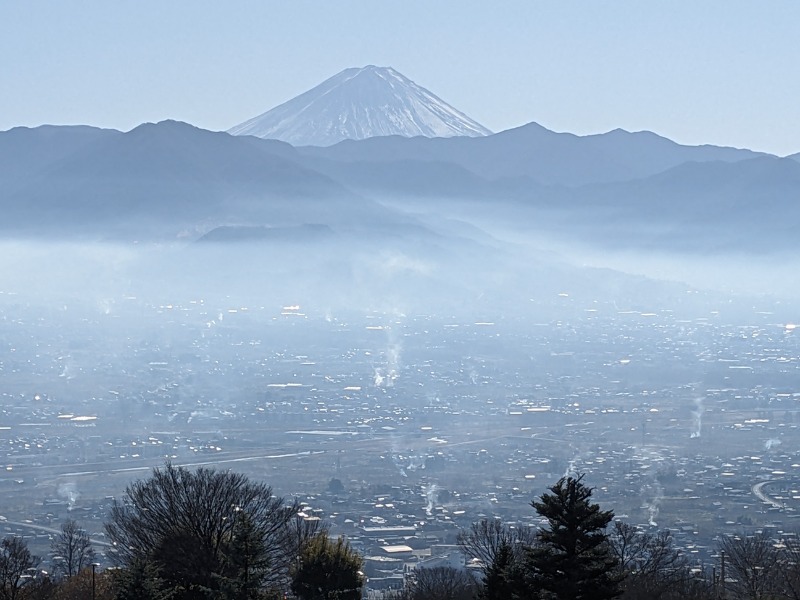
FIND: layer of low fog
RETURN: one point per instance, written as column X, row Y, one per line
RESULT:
column 451, row 257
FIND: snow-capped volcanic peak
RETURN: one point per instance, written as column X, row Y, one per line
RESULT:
column 357, row 104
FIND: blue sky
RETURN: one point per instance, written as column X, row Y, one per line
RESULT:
column 715, row 71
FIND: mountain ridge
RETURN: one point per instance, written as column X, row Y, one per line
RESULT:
column 533, row 151
column 158, row 179
column 161, row 180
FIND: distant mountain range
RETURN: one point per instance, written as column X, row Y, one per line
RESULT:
column 171, row 179
column 158, row 180
column 426, row 183
column 357, row 104
column 545, row 156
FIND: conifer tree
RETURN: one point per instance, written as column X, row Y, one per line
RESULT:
column 572, row 560
column 328, row 570
column 503, row 578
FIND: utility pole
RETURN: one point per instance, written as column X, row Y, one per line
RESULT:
column 722, row 575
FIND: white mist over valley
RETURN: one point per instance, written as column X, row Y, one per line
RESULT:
column 402, row 320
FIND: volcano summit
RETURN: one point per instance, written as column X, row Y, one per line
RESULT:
column 357, row 104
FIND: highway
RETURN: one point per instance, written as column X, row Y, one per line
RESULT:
column 758, row 491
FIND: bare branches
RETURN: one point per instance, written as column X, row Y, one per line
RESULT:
column 487, row 538
column 17, row 567
column 71, row 550
column 185, row 523
column 440, row 583
column 653, row 568
column 753, row 566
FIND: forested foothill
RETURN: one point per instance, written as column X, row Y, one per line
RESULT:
column 206, row 533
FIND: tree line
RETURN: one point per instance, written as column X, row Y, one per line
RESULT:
column 191, row 535
column 208, row 534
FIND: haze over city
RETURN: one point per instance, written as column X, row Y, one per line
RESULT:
column 409, row 268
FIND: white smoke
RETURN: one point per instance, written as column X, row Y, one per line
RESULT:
column 105, row 305
column 69, row 491
column 431, row 492
column 397, row 457
column 652, row 513
column 392, row 363
column 571, row 470
column 415, row 462
column 650, row 461
column 386, row 375
column 654, row 504
column 67, row 370
column 697, row 417
column 405, row 464
column 771, row 442
column 394, row 264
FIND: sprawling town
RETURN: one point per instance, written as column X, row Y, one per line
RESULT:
column 401, row 430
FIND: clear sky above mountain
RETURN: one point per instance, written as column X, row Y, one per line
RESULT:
column 717, row 71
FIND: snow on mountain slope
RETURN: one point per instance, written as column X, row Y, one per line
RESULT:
column 358, row 104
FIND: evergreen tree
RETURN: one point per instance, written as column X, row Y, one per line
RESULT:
column 503, row 579
column 247, row 564
column 572, row 560
column 140, row 580
column 328, row 570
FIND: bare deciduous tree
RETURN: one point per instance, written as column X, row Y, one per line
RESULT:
column 651, row 565
column 71, row 550
column 488, row 537
column 17, row 567
column 752, row 566
column 440, row 583
column 790, row 568
column 184, row 523
column 501, row 551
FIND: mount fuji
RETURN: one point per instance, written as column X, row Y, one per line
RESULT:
column 361, row 103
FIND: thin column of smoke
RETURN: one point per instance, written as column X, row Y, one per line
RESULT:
column 650, row 462
column 431, row 492
column 770, row 443
column 395, row 454
column 415, row 462
column 571, row 471
column 697, row 417
column 386, row 376
column 654, row 504
column 69, row 491
column 67, row 371
column 392, row 363
column 104, row 305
